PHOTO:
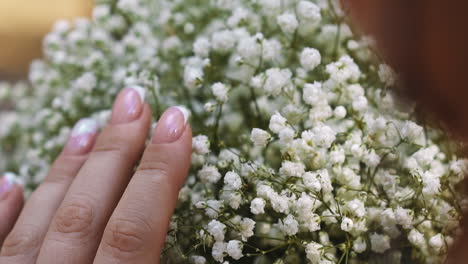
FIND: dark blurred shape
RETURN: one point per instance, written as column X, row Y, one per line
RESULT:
column 427, row 42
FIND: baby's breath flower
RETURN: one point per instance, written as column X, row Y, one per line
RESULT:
column 257, row 206
column 288, row 22
column 220, row 91
column 234, row 249
column 310, row 58
column 300, row 146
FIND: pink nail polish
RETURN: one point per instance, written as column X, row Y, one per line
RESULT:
column 6, row 184
column 82, row 137
column 128, row 105
column 171, row 125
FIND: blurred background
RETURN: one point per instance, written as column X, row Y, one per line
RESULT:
column 23, row 24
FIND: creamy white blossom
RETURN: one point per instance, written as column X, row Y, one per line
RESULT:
column 220, row 91
column 257, row 206
column 234, row 249
column 288, row 22
column 310, row 58
column 260, row 137
column 201, row 144
column 217, row 230
column 298, row 135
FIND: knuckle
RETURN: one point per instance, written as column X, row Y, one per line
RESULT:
column 154, row 167
column 158, row 173
column 125, row 236
column 62, row 170
column 114, row 141
column 21, row 242
column 75, row 217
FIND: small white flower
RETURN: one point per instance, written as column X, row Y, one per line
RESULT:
column 201, row 144
column 379, row 243
column 292, row 169
column 309, row 11
column 312, row 181
column 270, row 6
column 201, row 47
column 223, row 40
column 277, row 123
column 232, row 181
column 257, row 206
column 193, row 77
column 416, row 238
column 340, row 112
column 412, row 132
column 247, row 226
column 337, row 156
column 220, row 91
column 286, row 135
column 360, row 104
column 347, row 224
column 359, row 245
column 249, row 48
column 310, row 58
column 209, row 174
column 387, row 75
column 213, row 207
column 314, row 252
column 288, row 22
column 356, row 207
column 289, row 225
column 436, row 242
column 313, row 94
column 234, row 249
column 345, row 69
column 260, row 137
column 86, row 82
column 276, row 80
column 217, row 230
column 198, row 260
column 403, row 217
column 218, row 251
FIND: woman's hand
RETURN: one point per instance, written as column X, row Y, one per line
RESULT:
column 93, row 206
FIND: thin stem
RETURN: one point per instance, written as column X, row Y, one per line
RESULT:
column 157, row 105
column 216, row 127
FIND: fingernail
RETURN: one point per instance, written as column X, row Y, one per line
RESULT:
column 128, row 105
column 171, row 125
column 6, row 184
column 82, row 137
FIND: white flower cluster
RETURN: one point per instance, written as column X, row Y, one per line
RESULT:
column 301, row 152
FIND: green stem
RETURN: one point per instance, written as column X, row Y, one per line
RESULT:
column 216, row 127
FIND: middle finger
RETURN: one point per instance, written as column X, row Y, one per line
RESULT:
column 76, row 229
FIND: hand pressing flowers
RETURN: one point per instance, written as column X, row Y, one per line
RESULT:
column 93, row 206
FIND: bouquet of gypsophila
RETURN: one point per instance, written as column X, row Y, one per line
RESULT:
column 301, row 151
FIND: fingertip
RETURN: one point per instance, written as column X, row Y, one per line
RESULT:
column 11, row 203
column 171, row 126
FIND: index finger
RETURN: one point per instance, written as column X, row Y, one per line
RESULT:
column 137, row 229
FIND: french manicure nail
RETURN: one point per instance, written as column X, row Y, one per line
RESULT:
column 6, row 184
column 128, row 105
column 171, row 125
column 82, row 137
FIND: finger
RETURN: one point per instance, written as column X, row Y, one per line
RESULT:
column 23, row 243
column 76, row 229
column 11, row 202
column 137, row 229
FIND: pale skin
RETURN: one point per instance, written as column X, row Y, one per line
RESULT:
column 93, row 207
